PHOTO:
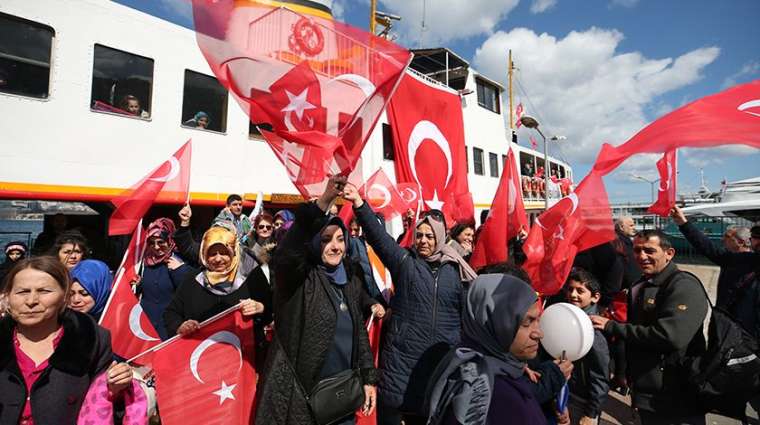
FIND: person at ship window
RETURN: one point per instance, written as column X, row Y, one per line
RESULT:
column 430, row 281
column 45, row 240
column 131, row 105
column 527, row 179
column 70, row 248
column 199, row 120
column 538, row 182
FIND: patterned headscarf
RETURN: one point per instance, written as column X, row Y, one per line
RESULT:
column 444, row 253
column 162, row 228
column 228, row 239
column 94, row 277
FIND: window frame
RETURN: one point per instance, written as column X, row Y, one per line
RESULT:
column 477, row 153
column 480, row 86
column 150, row 91
column 493, row 164
column 389, row 154
column 225, row 110
column 27, row 61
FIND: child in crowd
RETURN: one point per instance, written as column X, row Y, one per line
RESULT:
column 589, row 383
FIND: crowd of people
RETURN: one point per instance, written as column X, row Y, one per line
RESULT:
column 459, row 346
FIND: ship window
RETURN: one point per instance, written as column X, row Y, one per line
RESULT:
column 488, row 95
column 477, row 160
column 493, row 163
column 25, row 49
column 388, row 152
column 122, row 83
column 204, row 103
column 254, row 130
column 503, row 162
column 466, row 158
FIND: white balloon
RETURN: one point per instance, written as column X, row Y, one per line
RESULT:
column 566, row 328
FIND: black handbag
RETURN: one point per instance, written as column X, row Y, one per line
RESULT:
column 336, row 397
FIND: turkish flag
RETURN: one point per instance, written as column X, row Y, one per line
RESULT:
column 666, row 194
column 131, row 330
column 171, row 180
column 428, row 139
column 319, row 83
column 505, row 219
column 577, row 222
column 383, row 196
column 518, row 115
column 729, row 117
column 208, row 377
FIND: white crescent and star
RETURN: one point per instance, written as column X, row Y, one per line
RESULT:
column 134, row 324
column 225, row 392
column 412, row 195
column 750, row 104
column 386, row 194
column 422, row 131
column 174, row 169
column 667, row 181
column 225, row 337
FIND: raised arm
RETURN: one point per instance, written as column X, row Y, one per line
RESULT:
column 714, row 252
column 187, row 247
column 390, row 253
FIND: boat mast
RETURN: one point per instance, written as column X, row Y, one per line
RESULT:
column 510, row 68
column 372, row 13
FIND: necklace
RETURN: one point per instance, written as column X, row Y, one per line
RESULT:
column 342, row 304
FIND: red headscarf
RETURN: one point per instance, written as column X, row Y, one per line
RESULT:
column 162, row 228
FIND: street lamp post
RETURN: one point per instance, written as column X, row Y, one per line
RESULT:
column 650, row 181
column 531, row 122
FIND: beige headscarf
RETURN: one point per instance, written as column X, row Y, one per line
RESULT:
column 227, row 238
column 444, row 253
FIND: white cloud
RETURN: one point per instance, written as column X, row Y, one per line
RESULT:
column 339, row 9
column 540, row 6
column 582, row 87
column 700, row 158
column 747, row 71
column 446, row 20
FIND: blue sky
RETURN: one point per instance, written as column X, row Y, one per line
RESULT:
column 592, row 70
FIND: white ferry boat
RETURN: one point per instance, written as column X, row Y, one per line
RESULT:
column 69, row 69
column 739, row 199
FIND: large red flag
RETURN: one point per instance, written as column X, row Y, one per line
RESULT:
column 208, row 376
column 428, row 132
column 319, row 83
column 505, row 218
column 171, row 180
column 131, row 330
column 577, row 222
column 666, row 194
column 729, row 117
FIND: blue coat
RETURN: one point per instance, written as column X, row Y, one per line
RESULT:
column 158, row 285
column 425, row 319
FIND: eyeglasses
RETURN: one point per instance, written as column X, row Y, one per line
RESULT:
column 158, row 242
column 264, row 226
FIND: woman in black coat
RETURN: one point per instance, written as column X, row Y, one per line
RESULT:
column 319, row 327
column 49, row 355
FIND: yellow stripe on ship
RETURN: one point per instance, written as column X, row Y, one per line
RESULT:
column 298, row 8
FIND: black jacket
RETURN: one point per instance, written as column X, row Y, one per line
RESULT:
column 305, row 326
column 83, row 353
column 733, row 265
column 591, row 375
column 665, row 318
column 425, row 320
column 631, row 269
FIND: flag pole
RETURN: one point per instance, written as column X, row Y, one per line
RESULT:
column 208, row 321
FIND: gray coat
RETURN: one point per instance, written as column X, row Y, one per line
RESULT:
column 83, row 353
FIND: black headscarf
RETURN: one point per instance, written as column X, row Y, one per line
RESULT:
column 495, row 308
column 336, row 274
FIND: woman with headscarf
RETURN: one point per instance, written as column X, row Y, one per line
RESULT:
column 199, row 120
column 319, row 327
column 483, row 380
column 425, row 319
column 283, row 218
column 14, row 252
column 225, row 281
column 90, row 286
column 162, row 274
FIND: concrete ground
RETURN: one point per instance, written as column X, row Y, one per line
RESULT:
column 618, row 409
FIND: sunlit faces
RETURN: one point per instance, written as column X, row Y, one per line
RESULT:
column 218, row 258
column 264, row 229
column 577, row 294
column 525, row 344
column 354, row 229
column 133, row 106
column 35, row 298
column 79, row 299
column 14, row 255
column 278, row 222
column 70, row 255
column 236, row 208
column 333, row 245
column 628, row 227
column 160, row 246
column 650, row 256
column 424, row 240
column 466, row 237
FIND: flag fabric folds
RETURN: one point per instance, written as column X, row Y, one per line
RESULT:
column 169, row 182
column 208, row 377
column 131, row 330
column 666, row 193
column 428, row 137
column 505, row 218
column 319, row 84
